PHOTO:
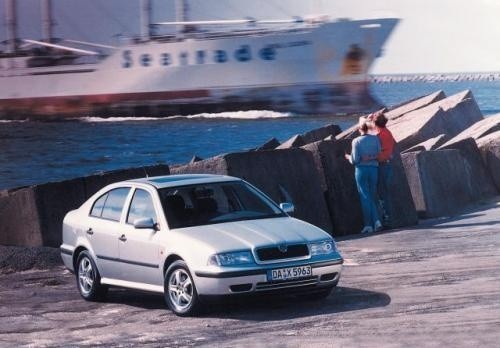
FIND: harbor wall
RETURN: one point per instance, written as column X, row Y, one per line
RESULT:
column 33, row 216
column 431, row 179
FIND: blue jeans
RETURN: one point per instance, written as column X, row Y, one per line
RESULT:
column 385, row 174
column 366, row 181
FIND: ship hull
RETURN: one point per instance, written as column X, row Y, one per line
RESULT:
column 322, row 71
column 321, row 99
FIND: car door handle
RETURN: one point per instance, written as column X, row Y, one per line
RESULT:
column 90, row 231
column 123, row 238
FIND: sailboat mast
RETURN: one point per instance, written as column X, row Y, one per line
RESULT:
column 47, row 22
column 146, row 17
column 11, row 21
column 181, row 14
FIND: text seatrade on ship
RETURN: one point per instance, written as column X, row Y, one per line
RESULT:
column 243, row 53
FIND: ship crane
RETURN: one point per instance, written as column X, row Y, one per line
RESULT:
column 61, row 47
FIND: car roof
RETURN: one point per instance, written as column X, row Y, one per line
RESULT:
column 183, row 179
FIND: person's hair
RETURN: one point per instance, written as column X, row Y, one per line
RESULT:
column 380, row 120
column 363, row 127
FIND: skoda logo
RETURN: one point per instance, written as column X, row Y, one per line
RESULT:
column 283, row 248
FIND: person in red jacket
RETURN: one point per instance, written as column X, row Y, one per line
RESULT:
column 385, row 170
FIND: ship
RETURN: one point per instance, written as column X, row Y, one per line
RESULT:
column 302, row 65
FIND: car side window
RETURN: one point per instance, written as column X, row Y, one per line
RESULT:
column 141, row 207
column 98, row 205
column 113, row 206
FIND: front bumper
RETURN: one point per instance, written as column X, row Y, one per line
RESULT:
column 324, row 274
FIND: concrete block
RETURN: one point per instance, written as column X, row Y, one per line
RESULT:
column 157, row 170
column 19, row 219
column 398, row 111
column 339, row 186
column 449, row 116
column 53, row 201
column 295, row 141
column 271, row 144
column 195, row 159
column 489, row 147
column 214, row 165
column 321, row 133
column 479, row 129
column 352, row 132
column 33, row 216
column 281, row 174
column 428, row 145
column 438, row 182
column 480, row 181
column 94, row 183
column 414, row 104
column 403, row 211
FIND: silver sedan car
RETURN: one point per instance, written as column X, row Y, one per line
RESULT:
column 192, row 237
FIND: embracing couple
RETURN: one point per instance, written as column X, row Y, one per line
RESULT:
column 371, row 155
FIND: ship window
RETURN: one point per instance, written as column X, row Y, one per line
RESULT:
column 183, row 57
column 268, row 53
column 146, row 59
column 220, row 56
column 200, row 57
column 165, row 59
column 127, row 59
column 243, row 54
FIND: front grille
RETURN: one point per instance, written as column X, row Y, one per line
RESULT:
column 274, row 253
column 286, row 283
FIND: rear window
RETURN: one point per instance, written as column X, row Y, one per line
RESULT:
column 98, row 205
column 110, row 205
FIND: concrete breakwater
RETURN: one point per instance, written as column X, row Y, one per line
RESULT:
column 450, row 157
column 429, row 77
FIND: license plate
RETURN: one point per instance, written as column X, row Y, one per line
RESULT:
column 289, row 273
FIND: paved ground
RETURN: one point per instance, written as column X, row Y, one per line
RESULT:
column 436, row 285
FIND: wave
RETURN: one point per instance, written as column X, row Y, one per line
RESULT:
column 13, row 121
column 115, row 119
column 241, row 115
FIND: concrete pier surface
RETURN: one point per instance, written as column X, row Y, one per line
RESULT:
column 436, row 284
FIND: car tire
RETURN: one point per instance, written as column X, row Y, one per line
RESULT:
column 180, row 291
column 88, row 279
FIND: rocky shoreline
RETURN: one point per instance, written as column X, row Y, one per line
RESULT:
column 19, row 259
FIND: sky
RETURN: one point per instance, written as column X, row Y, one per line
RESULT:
column 434, row 36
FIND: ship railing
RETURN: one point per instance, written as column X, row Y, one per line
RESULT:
column 212, row 35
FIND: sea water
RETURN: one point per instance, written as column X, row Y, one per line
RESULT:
column 38, row 152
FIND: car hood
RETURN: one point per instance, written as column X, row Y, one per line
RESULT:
column 250, row 234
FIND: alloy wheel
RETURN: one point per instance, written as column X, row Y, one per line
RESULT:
column 180, row 289
column 85, row 275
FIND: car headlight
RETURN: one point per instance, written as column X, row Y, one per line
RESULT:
column 231, row 259
column 323, row 248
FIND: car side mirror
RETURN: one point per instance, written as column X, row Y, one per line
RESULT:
column 145, row 223
column 287, row 207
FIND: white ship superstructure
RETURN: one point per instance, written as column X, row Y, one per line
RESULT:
column 309, row 67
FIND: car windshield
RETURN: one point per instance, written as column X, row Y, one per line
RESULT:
column 213, row 203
